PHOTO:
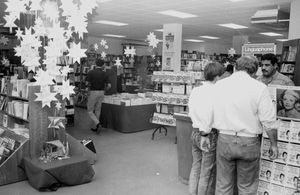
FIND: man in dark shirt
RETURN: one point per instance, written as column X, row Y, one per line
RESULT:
column 97, row 80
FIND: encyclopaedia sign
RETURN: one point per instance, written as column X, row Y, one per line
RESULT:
column 260, row 48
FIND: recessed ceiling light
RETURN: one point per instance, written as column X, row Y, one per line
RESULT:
column 234, row 26
column 209, row 37
column 194, row 40
column 177, row 14
column 111, row 35
column 111, row 23
column 159, row 30
column 271, row 34
column 282, row 40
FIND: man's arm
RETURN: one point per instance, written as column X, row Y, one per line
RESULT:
column 273, row 152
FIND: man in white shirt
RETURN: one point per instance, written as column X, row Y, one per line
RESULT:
column 243, row 109
column 202, row 177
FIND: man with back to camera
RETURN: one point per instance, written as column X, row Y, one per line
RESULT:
column 202, row 178
column 270, row 76
column 97, row 79
column 243, row 109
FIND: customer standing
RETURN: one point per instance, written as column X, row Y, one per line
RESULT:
column 270, row 76
column 202, row 177
column 97, row 80
column 243, row 109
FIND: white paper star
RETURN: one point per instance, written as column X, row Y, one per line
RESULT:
column 129, row 51
column 39, row 27
column 56, row 122
column 45, row 96
column 50, row 10
column 96, row 46
column 76, row 52
column 65, row 89
column 103, row 54
column 3, row 40
column 10, row 21
column 88, row 7
column 79, row 22
column 58, row 105
column 153, row 41
column 68, row 7
column 43, row 78
column 15, row 6
column 118, row 62
column 65, row 70
column 153, row 56
column 19, row 33
column 35, row 5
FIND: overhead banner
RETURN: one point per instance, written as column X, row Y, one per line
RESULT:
column 258, row 48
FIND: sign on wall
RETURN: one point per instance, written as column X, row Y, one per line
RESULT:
column 259, row 48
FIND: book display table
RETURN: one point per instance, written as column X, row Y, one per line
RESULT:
column 50, row 176
column 127, row 119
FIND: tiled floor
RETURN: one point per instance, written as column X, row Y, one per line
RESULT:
column 129, row 164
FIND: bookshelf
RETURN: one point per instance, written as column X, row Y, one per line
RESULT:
column 290, row 60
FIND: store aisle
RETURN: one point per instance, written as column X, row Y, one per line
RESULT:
column 130, row 164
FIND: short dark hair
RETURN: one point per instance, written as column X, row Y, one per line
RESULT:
column 248, row 64
column 271, row 57
column 212, row 70
column 229, row 68
column 99, row 62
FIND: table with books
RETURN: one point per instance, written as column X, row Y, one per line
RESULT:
column 127, row 113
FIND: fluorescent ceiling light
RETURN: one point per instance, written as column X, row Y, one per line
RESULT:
column 236, row 0
column 111, row 35
column 103, row 1
column 233, row 26
column 111, row 23
column 159, row 30
column 194, row 40
column 271, row 34
column 177, row 14
column 209, row 37
column 281, row 40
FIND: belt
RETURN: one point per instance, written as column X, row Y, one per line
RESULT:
column 240, row 134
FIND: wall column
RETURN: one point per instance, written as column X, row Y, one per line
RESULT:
column 294, row 27
column 238, row 41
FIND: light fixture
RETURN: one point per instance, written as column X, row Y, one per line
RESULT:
column 103, row 1
column 209, row 37
column 236, row 0
column 194, row 40
column 111, row 23
column 282, row 40
column 233, row 26
column 159, row 30
column 271, row 34
column 111, row 35
column 177, row 14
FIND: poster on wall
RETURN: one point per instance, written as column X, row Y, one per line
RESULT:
column 169, row 42
column 281, row 176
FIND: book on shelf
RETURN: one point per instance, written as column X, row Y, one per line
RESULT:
column 18, row 108
column 287, row 68
column 22, row 88
column 292, row 54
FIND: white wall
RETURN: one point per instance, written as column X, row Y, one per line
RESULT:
column 208, row 48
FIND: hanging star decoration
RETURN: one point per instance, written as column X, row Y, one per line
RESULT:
column 65, row 70
column 76, row 52
column 3, row 40
column 103, row 54
column 65, row 89
column 35, row 5
column 103, row 42
column 50, row 10
column 68, row 7
column 45, row 96
column 19, row 33
column 129, row 51
column 152, row 40
column 118, row 62
column 10, row 21
column 58, row 105
column 78, row 21
column 43, row 78
column 56, row 122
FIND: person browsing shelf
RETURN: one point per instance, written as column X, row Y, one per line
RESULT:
column 270, row 76
column 243, row 113
column 204, row 138
column 98, row 82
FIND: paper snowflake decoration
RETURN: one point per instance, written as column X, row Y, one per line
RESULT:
column 96, row 47
column 45, row 96
column 78, row 21
column 88, row 7
column 103, row 54
column 68, row 7
column 65, row 89
column 56, row 122
column 118, row 62
column 10, row 21
column 76, row 52
column 152, row 40
column 103, row 42
column 65, row 70
column 44, row 78
column 39, row 27
column 3, row 40
column 50, row 10
column 35, row 5
column 129, row 51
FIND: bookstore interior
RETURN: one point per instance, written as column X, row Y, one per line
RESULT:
column 153, row 53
